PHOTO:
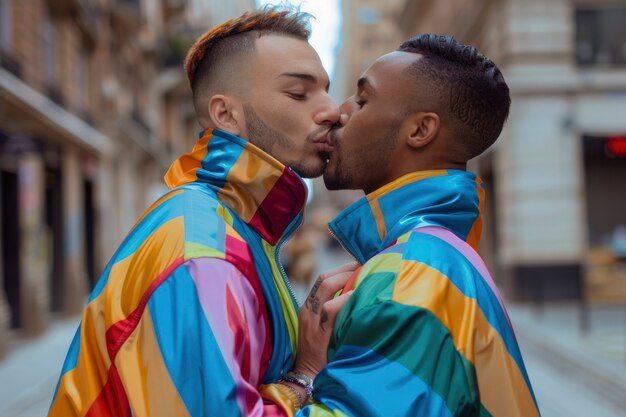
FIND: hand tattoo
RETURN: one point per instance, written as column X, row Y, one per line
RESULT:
column 316, row 286
column 315, row 307
column 311, row 302
column 323, row 320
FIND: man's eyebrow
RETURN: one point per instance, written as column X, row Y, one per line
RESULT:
column 363, row 82
column 303, row 76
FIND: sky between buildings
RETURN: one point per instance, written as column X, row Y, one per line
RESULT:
column 326, row 26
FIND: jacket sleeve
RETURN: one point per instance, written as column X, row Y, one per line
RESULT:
column 413, row 344
column 392, row 359
column 197, row 348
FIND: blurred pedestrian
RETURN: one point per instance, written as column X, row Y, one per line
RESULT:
column 192, row 315
column 618, row 242
column 301, row 260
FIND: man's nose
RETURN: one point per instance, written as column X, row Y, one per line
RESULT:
column 343, row 118
column 345, row 110
column 329, row 113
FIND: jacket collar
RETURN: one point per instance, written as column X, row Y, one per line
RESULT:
column 452, row 199
column 263, row 192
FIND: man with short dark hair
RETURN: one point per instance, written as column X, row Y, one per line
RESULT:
column 193, row 314
column 425, row 332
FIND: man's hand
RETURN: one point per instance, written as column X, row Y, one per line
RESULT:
column 317, row 318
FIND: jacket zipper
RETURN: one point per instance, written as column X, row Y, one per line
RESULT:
column 280, row 246
column 282, row 269
column 341, row 244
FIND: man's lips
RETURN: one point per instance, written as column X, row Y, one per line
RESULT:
column 323, row 143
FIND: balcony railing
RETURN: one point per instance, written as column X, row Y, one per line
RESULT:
column 84, row 12
column 55, row 95
column 175, row 5
column 60, row 7
column 127, row 13
column 11, row 64
column 128, row 7
column 140, row 122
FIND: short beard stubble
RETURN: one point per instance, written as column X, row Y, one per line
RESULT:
column 269, row 140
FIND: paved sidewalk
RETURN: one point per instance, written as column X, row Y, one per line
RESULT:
column 29, row 373
column 574, row 373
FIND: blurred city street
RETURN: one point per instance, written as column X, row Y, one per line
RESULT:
column 95, row 105
column 574, row 375
column 29, row 372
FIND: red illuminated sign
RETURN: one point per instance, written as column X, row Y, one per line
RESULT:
column 616, row 146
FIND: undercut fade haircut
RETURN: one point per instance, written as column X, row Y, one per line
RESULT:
column 470, row 86
column 208, row 59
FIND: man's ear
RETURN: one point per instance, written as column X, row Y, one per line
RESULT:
column 423, row 129
column 226, row 113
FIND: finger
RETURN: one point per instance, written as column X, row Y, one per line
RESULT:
column 336, row 304
column 330, row 286
column 350, row 266
column 331, row 309
column 324, row 290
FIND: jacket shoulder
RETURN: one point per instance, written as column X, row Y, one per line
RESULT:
column 184, row 224
column 413, row 255
column 207, row 224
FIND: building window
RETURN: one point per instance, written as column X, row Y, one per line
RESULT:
column 80, row 71
column 82, row 78
column 48, row 52
column 605, row 180
column 601, row 36
column 6, row 27
column 368, row 16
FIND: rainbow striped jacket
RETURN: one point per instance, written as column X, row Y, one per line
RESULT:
column 425, row 332
column 193, row 315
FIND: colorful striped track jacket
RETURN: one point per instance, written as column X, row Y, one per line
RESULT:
column 193, row 315
column 425, row 332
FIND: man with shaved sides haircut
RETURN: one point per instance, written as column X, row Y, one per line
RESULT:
column 194, row 316
column 425, row 332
